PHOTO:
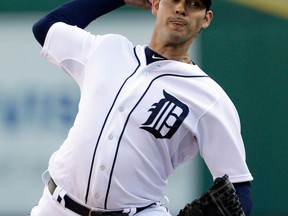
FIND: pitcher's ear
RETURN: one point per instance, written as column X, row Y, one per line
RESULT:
column 207, row 19
column 155, row 6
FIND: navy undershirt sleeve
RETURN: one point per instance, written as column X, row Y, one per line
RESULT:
column 243, row 190
column 76, row 12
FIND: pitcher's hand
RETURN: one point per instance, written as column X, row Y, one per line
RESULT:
column 139, row 3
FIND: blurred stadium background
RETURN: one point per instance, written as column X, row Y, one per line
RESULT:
column 245, row 50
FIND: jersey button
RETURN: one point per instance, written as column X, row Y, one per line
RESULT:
column 102, row 167
column 97, row 195
column 146, row 73
column 110, row 137
column 121, row 109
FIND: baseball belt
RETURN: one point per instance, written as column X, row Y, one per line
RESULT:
column 82, row 210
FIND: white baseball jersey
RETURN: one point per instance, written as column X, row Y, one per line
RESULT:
column 136, row 122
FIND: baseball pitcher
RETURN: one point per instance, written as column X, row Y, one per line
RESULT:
column 144, row 110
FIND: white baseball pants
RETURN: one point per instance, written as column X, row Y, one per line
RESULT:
column 47, row 207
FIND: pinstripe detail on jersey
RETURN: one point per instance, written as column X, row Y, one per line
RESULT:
column 128, row 117
column 100, row 134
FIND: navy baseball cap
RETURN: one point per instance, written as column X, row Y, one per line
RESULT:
column 207, row 3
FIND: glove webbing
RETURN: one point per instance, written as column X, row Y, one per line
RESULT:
column 220, row 200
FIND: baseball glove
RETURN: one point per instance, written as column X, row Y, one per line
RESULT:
column 220, row 200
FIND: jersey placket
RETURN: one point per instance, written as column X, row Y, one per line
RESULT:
column 110, row 140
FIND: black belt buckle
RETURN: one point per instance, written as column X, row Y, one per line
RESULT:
column 99, row 213
column 95, row 213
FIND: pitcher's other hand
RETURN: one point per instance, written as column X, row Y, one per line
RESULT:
column 139, row 3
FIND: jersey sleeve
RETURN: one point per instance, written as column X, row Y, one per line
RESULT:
column 69, row 47
column 220, row 141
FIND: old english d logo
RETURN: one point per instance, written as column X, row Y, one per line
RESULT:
column 166, row 117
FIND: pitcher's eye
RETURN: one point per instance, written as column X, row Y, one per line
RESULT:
column 194, row 4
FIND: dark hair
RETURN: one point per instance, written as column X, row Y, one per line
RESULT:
column 208, row 4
